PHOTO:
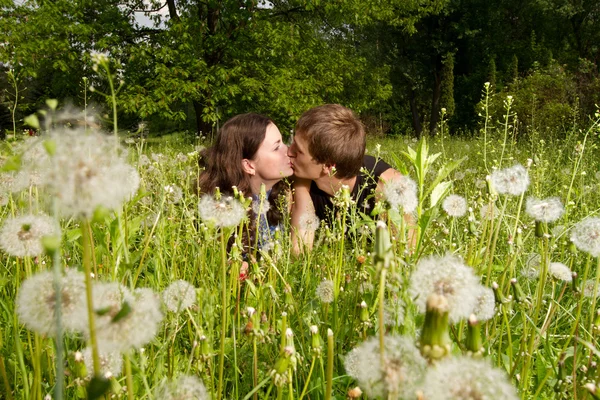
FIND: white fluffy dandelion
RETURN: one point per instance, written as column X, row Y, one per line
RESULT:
column 546, row 210
column 586, row 236
column 531, row 269
column 401, row 193
column 309, row 222
column 22, row 236
column 485, row 307
column 489, row 211
column 111, row 364
column 87, row 171
column 455, row 205
column 449, row 277
column 260, row 207
column 402, row 368
column 225, row 212
column 186, row 387
column 173, row 193
column 36, row 302
column 513, row 180
column 560, row 271
column 125, row 320
column 325, row 291
column 467, row 378
column 393, row 312
column 179, row 296
column 588, row 288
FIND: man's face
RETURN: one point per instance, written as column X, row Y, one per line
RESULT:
column 302, row 162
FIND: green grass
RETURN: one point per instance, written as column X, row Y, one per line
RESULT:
column 543, row 341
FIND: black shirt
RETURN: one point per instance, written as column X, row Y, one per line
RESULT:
column 362, row 192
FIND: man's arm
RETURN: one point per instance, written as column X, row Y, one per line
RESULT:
column 302, row 206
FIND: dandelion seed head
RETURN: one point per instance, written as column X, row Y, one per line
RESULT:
column 586, row 236
column 125, row 320
column 531, row 269
column 143, row 161
column 174, row 194
column 455, row 205
column 22, row 236
column 325, row 291
column 402, row 368
column 489, row 211
column 36, row 302
column 179, row 296
column 546, row 210
column 466, row 378
column 309, row 222
column 485, row 307
column 588, row 288
column 111, row 363
column 560, row 271
column 185, row 387
column 449, row 277
column 401, row 193
column 393, row 312
column 260, row 207
column 513, row 180
column 225, row 212
column 87, row 171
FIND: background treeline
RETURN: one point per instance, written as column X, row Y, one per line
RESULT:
column 396, row 62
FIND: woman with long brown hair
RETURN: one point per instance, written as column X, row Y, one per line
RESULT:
column 248, row 152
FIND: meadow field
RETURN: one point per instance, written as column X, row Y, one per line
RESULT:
column 117, row 280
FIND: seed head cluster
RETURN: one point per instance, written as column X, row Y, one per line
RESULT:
column 513, row 181
column 449, row 277
column 546, row 210
column 466, row 378
column 397, row 377
column 186, row 387
column 401, row 193
column 325, row 291
column 179, row 296
column 22, row 236
column 455, row 205
column 586, row 236
column 223, row 212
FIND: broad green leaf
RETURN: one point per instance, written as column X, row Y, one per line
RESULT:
column 32, row 120
column 440, row 191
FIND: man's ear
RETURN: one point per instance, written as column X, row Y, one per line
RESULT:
column 329, row 169
column 248, row 167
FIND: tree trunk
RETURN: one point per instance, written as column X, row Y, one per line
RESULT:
column 416, row 121
column 202, row 128
column 435, row 97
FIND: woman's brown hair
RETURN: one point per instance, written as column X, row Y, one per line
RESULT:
column 239, row 138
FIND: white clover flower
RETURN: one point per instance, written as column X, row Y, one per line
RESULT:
column 401, row 193
column 36, row 302
column 125, row 320
column 586, row 236
column 449, row 277
column 179, row 296
column 467, row 378
column 22, row 236
column 489, row 211
column 111, row 363
column 325, row 291
column 173, row 193
column 560, row 271
column 87, row 171
column 402, row 368
column 546, row 210
column 485, row 308
column 309, row 222
column 185, row 387
column 513, row 180
column 455, row 205
column 226, row 212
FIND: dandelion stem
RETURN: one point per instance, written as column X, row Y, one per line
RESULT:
column 223, row 314
column 87, row 257
column 329, row 376
column 310, row 371
column 129, row 376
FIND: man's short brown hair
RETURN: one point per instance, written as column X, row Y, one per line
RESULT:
column 334, row 136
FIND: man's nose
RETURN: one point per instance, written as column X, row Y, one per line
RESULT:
column 290, row 151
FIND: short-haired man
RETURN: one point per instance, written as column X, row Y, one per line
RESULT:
column 328, row 152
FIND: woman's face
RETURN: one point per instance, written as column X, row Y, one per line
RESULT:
column 271, row 162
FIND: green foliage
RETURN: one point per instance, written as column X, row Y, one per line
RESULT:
column 447, row 89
